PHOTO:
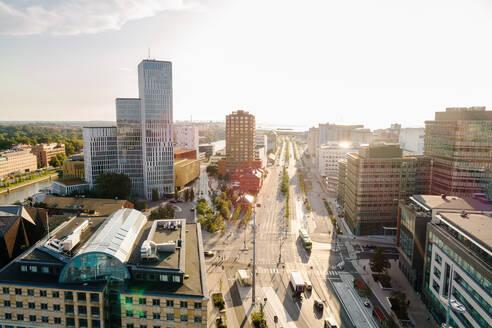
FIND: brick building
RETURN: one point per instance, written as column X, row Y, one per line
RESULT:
column 45, row 152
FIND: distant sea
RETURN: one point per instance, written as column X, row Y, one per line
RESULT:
column 296, row 128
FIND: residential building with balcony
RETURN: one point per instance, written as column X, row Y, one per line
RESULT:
column 116, row 271
column 458, row 261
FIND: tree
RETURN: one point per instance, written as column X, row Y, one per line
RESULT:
column 224, row 210
column 113, row 185
column 399, row 304
column 162, row 213
column 192, row 195
column 212, row 170
column 57, row 160
column 258, row 318
column 176, row 193
column 379, row 262
column 155, row 195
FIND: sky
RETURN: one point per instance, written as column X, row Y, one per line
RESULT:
column 288, row 62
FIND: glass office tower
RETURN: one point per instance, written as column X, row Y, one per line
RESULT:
column 155, row 90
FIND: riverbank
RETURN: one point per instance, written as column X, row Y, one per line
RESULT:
column 50, row 177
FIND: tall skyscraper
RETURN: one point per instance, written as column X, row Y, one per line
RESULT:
column 156, row 96
column 240, row 143
column 141, row 146
column 459, row 142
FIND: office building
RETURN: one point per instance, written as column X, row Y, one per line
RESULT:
column 45, row 152
column 185, row 171
column 73, row 168
column 142, row 142
column 313, row 142
column 69, row 187
column 458, row 261
column 342, row 176
column 129, row 141
column 116, row 271
column 100, row 152
column 355, row 134
column 186, row 137
column 328, row 157
column 376, row 178
column 413, row 215
column 240, row 144
column 411, row 140
column 459, row 141
column 17, row 161
column 261, row 156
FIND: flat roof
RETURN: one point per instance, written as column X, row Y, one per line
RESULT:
column 475, row 226
column 70, row 182
column 102, row 207
column 453, row 203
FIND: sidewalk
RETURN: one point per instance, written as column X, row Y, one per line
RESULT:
column 417, row 310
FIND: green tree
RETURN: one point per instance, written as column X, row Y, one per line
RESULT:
column 192, row 195
column 224, row 210
column 212, row 170
column 399, row 304
column 379, row 262
column 112, row 185
column 57, row 160
column 258, row 318
column 176, row 193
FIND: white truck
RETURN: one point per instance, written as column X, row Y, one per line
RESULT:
column 297, row 282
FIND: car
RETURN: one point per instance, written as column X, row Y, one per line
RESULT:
column 308, row 285
column 318, row 304
column 209, row 253
column 367, row 304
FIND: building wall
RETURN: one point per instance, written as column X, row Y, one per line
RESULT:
column 260, row 155
column 100, row 152
column 129, row 140
column 342, row 176
column 68, row 189
column 73, row 169
column 186, row 137
column 186, row 171
column 170, row 311
column 459, row 141
column 17, row 161
column 45, row 152
column 240, row 142
column 50, row 312
column 412, row 141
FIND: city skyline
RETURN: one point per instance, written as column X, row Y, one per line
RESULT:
column 73, row 66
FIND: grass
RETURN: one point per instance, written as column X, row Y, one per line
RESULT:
column 20, row 179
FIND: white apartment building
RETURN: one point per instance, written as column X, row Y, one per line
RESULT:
column 100, row 152
column 261, row 140
column 261, row 154
column 330, row 154
column 186, row 137
column 17, row 161
column 412, row 141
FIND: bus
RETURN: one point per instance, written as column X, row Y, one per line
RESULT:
column 306, row 241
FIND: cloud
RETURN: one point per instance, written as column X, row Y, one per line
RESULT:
column 71, row 17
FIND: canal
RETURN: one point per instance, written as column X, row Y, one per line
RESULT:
column 22, row 193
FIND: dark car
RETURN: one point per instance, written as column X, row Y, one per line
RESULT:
column 318, row 304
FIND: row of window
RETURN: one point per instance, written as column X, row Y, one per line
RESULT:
column 157, row 302
column 70, row 322
column 81, row 296
column 157, row 316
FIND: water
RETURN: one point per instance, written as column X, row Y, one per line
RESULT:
column 22, row 193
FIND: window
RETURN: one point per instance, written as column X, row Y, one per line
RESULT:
column 156, row 302
column 164, row 277
column 69, row 295
column 142, row 301
column 184, row 318
column 6, row 303
column 5, row 290
column 198, row 319
column 18, row 304
column 70, row 322
column 94, row 298
column 81, row 297
column 82, row 309
column 45, row 269
column 8, row 316
column 183, row 304
column 128, row 300
column 45, row 319
column 143, row 326
column 170, row 316
column 18, row 291
column 44, row 306
column 198, row 305
column 176, row 278
column 129, row 325
column 96, row 324
column 55, row 294
column 436, row 286
column 82, row 323
column 143, row 314
column 31, row 305
column 43, row 293
column 69, row 308
column 437, row 272
column 169, row 303
column 57, row 320
column 438, row 259
column 20, row 317
column 56, row 307
column 156, row 316
column 24, row 268
column 95, row 311
column 30, row 292
column 129, row 313
column 32, row 317
column 33, row 268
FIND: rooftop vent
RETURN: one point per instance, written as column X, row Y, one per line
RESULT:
column 443, row 196
column 464, row 215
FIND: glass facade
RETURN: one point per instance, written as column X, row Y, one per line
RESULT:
column 94, row 266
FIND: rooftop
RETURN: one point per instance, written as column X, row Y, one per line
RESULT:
column 453, row 202
column 475, row 226
column 70, row 182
